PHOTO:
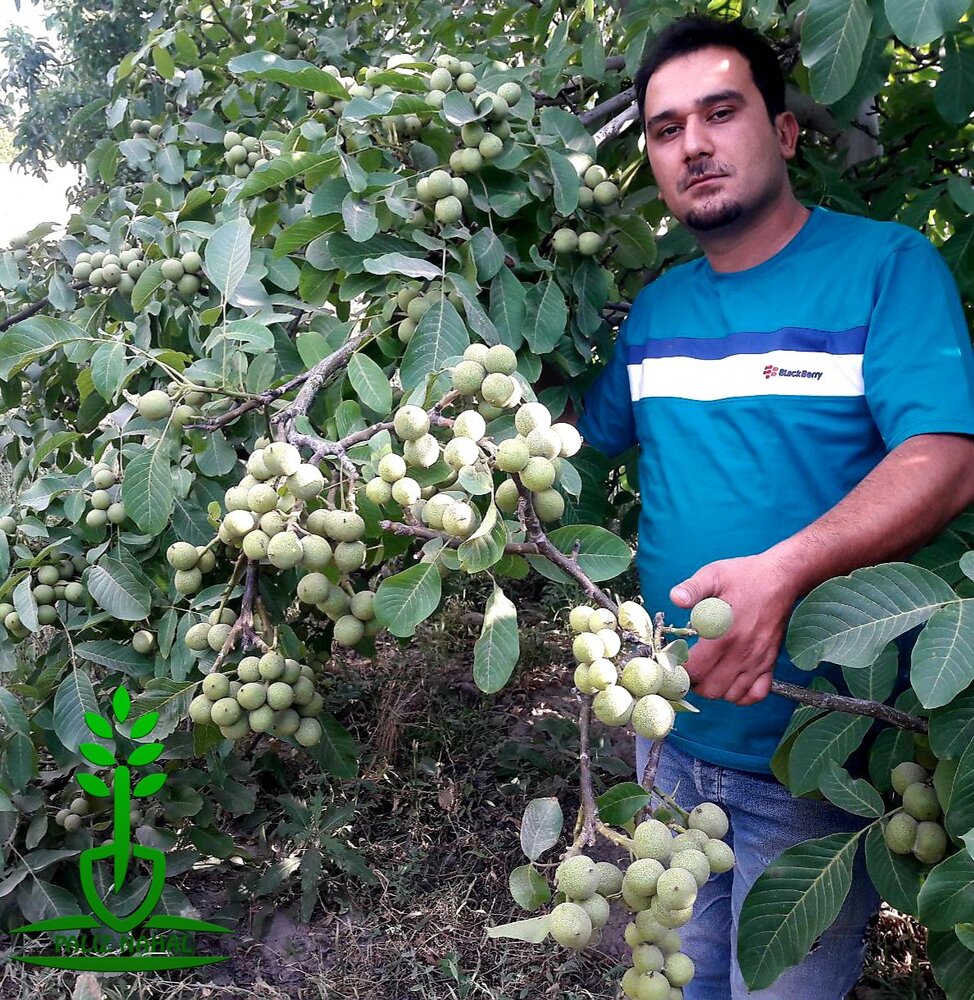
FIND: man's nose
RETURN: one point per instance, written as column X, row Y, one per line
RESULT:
column 697, row 140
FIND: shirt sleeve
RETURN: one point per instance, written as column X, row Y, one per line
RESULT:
column 918, row 365
column 607, row 422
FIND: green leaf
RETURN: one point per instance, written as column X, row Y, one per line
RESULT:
column 601, row 554
column 486, row 545
column 276, row 172
column 263, row 65
column 566, row 182
column 404, row 600
column 440, row 335
column 96, row 754
column 300, row 233
column 508, row 298
column 952, row 727
column 546, row 316
column 116, row 655
column 93, row 785
column 487, row 253
column 336, row 752
column 960, row 805
column 32, row 339
column 168, row 701
column 849, row 619
column 834, row 35
column 20, row 761
column 541, row 826
column 169, row 165
column 942, row 663
column 108, row 369
column 163, row 62
column 45, row 444
column 150, row 281
column 533, row 930
column 474, row 313
column 370, row 383
column 875, row 682
column 917, row 22
column 793, row 900
column 149, row 785
column 947, row 896
column 897, row 877
column 147, row 490
column 361, row 222
column 498, row 647
column 952, row 963
column 528, row 888
column 621, row 803
column 855, row 795
column 145, row 754
column 400, row 263
column 13, row 713
column 73, row 701
column 99, row 725
column 114, row 589
column 591, row 284
column 826, row 740
column 25, row 604
column 227, row 255
column 458, row 110
column 954, row 96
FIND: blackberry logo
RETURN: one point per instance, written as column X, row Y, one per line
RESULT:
column 770, row 371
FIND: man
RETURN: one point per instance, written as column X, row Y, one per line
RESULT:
column 802, row 396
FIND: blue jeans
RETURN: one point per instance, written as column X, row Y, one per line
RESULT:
column 765, row 819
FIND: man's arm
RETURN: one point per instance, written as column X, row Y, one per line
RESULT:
column 916, row 490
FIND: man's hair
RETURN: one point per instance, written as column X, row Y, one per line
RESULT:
column 697, row 32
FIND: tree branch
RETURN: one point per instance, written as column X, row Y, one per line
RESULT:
column 35, row 308
column 852, row 706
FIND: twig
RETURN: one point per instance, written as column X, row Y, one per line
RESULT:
column 35, row 308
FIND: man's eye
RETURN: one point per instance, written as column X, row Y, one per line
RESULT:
column 722, row 111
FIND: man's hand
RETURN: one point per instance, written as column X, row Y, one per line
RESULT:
column 739, row 665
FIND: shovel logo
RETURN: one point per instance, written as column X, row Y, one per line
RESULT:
column 159, row 941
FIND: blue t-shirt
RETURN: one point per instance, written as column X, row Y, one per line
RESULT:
column 760, row 398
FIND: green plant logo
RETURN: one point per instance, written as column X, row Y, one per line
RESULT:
column 81, row 940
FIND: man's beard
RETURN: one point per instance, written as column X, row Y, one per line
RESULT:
column 712, row 217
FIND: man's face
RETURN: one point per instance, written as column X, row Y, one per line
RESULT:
column 705, row 116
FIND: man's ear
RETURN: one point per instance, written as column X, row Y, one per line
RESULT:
column 787, row 129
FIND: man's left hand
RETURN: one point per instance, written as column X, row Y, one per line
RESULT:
column 740, row 664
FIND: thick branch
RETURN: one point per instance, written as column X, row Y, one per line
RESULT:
column 608, row 107
column 854, row 706
column 321, row 372
column 316, row 378
column 590, row 810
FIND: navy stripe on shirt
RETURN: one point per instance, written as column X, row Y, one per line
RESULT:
column 788, row 338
